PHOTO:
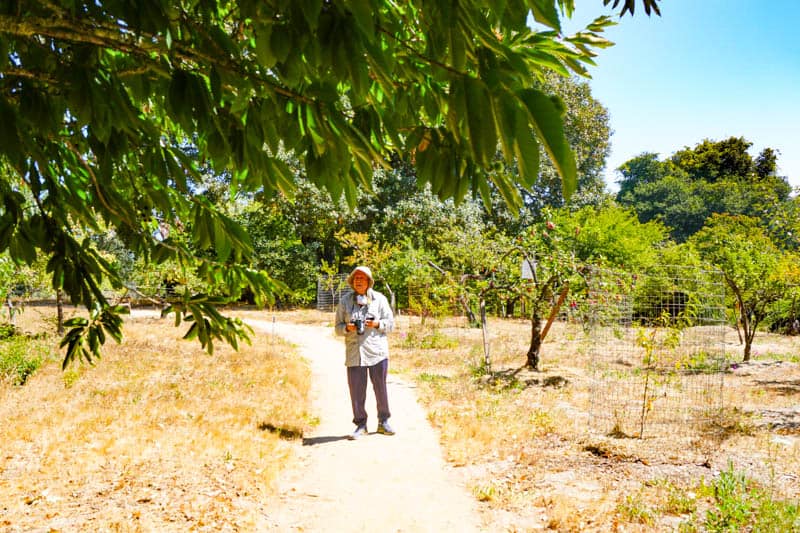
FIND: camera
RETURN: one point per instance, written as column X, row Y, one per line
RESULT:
column 359, row 324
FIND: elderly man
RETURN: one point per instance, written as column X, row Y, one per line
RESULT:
column 364, row 317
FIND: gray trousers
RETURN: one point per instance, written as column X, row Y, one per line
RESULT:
column 357, row 382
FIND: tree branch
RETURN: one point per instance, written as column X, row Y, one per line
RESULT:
column 141, row 45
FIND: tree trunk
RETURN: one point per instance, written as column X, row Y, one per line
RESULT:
column 536, row 342
column 487, row 361
column 473, row 322
column 59, row 312
column 738, row 322
column 749, row 335
column 747, row 323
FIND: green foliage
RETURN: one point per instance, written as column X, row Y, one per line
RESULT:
column 740, row 505
column 713, row 161
column 712, row 177
column 206, row 323
column 20, row 356
column 278, row 249
column 428, row 339
column 644, row 168
column 87, row 335
column 635, row 509
column 8, row 330
column 610, row 235
column 750, row 262
column 586, row 126
column 672, row 201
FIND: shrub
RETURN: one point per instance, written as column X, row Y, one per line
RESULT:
column 20, row 357
column 428, row 339
column 740, row 505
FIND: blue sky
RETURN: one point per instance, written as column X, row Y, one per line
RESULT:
column 704, row 69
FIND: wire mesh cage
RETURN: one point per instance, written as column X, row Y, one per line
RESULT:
column 657, row 351
column 330, row 290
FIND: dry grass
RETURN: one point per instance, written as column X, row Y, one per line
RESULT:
column 525, row 443
column 159, row 436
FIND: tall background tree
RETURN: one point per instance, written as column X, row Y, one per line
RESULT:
column 713, row 177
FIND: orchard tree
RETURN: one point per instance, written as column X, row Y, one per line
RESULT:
column 559, row 247
column 751, row 264
column 611, row 235
column 98, row 98
column 551, row 265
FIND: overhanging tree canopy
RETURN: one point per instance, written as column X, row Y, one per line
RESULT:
column 97, row 100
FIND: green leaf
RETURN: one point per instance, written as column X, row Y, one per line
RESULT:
column 177, row 101
column 482, row 132
column 223, row 41
column 590, row 39
column 507, row 190
column 311, row 10
column 280, row 44
column 544, row 12
column 457, row 48
column 546, row 117
column 263, row 38
column 9, row 138
column 485, row 193
column 601, row 23
column 362, row 13
column 506, row 116
column 526, row 152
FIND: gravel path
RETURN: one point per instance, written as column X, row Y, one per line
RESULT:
column 376, row 483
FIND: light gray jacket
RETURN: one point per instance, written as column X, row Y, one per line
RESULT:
column 373, row 346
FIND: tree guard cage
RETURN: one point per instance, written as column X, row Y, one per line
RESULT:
column 656, row 343
column 330, row 290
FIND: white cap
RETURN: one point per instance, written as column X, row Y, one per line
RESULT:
column 363, row 269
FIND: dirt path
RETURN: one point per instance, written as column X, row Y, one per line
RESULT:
column 377, row 483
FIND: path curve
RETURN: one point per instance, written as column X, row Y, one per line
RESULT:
column 376, row 483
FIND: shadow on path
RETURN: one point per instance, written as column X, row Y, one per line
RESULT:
column 313, row 441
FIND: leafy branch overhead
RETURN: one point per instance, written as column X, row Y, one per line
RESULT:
column 101, row 100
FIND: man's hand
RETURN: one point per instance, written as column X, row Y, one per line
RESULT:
column 373, row 324
column 350, row 327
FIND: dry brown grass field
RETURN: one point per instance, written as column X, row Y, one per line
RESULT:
column 161, row 436
column 157, row 436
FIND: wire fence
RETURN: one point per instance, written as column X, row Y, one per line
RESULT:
column 657, row 348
